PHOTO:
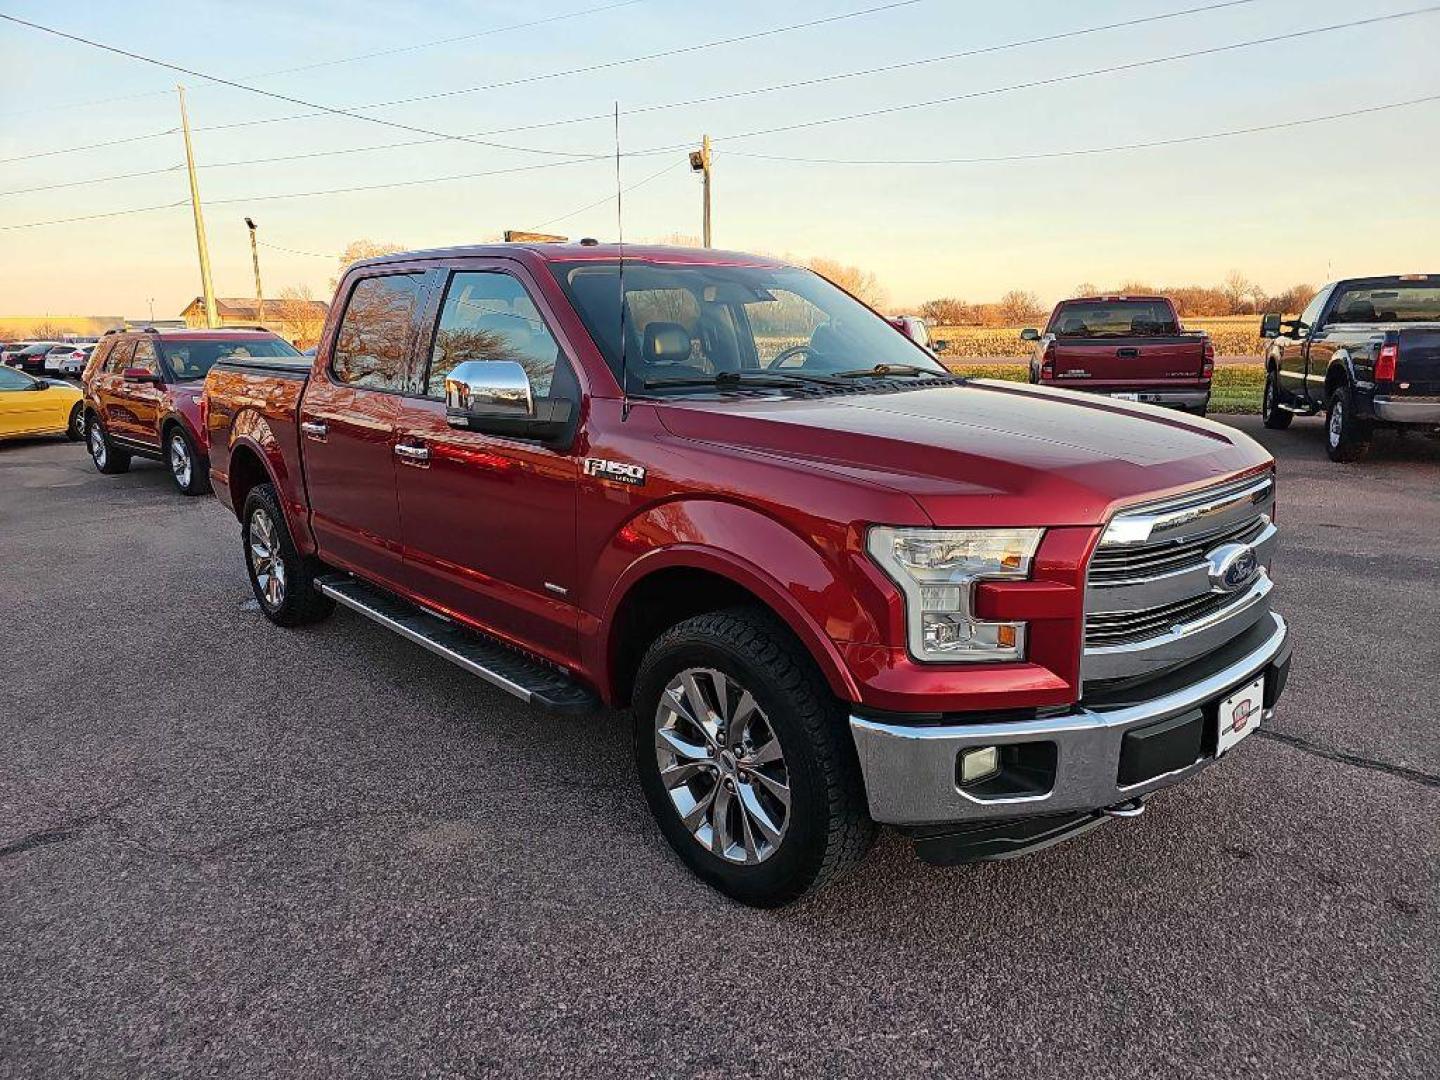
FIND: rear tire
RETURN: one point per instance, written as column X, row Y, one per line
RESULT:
column 189, row 468
column 1346, row 438
column 282, row 579
column 791, row 739
column 107, row 459
column 1273, row 417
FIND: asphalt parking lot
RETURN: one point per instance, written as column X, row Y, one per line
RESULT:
column 229, row 849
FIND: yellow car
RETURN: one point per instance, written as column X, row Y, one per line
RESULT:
column 31, row 406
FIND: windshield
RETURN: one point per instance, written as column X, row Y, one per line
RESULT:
column 1391, row 303
column 691, row 322
column 194, row 359
column 1113, row 318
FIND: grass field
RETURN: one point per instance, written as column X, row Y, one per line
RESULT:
column 1234, row 335
column 1235, row 389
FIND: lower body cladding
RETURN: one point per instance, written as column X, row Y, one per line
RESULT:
column 996, row 788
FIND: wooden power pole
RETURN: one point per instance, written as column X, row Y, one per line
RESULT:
column 701, row 161
column 212, row 319
column 255, row 259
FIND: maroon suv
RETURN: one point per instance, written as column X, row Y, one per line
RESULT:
column 143, row 396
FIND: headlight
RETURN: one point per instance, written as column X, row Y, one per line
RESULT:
column 937, row 570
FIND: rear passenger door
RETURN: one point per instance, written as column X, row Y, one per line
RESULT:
column 489, row 521
column 106, row 383
column 347, row 425
column 138, row 403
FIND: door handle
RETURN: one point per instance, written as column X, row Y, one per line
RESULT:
column 314, row 429
column 412, row 455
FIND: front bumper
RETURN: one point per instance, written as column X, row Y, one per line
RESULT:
column 1411, row 410
column 1072, row 760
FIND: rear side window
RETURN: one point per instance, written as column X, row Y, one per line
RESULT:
column 120, row 357
column 1388, row 303
column 490, row 316
column 371, row 346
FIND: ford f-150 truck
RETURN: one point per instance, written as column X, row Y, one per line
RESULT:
column 835, row 585
column 1129, row 347
column 1365, row 350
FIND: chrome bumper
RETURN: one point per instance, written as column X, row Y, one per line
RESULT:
column 1412, row 410
column 910, row 770
column 1185, row 399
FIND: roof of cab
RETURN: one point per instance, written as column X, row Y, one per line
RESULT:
column 583, row 252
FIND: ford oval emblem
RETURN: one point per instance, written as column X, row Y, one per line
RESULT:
column 1232, row 567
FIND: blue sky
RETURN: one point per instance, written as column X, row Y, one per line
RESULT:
column 1348, row 196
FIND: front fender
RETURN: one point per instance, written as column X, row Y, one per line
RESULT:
column 814, row 584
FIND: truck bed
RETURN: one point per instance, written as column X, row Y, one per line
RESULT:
column 255, row 404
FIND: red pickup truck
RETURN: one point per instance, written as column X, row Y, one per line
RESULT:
column 1129, row 347
column 836, row 585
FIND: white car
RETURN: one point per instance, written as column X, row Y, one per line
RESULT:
column 69, row 361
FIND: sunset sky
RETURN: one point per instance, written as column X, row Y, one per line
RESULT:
column 1342, row 197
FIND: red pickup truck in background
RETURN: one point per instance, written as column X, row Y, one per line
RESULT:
column 1130, row 347
column 835, row 584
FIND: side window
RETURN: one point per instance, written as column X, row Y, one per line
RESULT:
column 370, row 347
column 120, row 357
column 145, row 357
column 488, row 315
column 10, row 379
column 1316, row 305
column 101, row 355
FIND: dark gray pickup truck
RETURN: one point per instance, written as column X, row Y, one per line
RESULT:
column 1367, row 352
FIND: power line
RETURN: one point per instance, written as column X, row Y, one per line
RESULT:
column 91, row 180
column 355, row 113
column 96, row 217
column 608, row 198
column 89, row 146
column 1084, row 151
column 320, row 109
column 361, row 56
column 295, row 251
column 727, row 96
column 1058, row 79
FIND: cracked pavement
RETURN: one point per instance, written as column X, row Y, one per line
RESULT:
column 228, row 849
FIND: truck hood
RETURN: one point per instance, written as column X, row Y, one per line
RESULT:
column 983, row 453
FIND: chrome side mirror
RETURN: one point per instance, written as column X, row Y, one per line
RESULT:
column 477, row 391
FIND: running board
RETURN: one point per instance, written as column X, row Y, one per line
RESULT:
column 529, row 680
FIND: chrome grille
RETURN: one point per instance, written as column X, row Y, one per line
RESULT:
column 1151, row 560
column 1149, row 600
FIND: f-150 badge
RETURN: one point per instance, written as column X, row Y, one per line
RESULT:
column 619, row 471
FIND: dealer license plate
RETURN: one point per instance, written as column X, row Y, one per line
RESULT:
column 1240, row 714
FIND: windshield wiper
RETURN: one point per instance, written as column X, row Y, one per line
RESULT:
column 885, row 371
column 727, row 379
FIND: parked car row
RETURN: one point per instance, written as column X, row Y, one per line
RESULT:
column 49, row 357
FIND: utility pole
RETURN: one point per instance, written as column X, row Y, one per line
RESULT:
column 255, row 258
column 212, row 319
column 700, row 161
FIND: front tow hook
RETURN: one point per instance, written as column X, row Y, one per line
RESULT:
column 1132, row 809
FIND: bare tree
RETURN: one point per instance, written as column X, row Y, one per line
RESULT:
column 859, row 283
column 362, row 249
column 47, row 331
column 1017, row 307
column 947, row 311
column 1236, row 288
column 1085, row 288
column 302, row 318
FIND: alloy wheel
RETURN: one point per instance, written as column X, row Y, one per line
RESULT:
column 265, row 559
column 722, row 765
column 97, row 445
column 180, row 463
column 1337, row 421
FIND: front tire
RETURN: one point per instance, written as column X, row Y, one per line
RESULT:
column 745, row 758
column 188, row 467
column 282, row 579
column 107, row 459
column 75, row 428
column 1271, row 415
column 1346, row 437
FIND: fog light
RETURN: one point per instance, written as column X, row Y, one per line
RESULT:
column 979, row 763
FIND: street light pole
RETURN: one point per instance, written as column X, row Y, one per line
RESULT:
column 255, row 258
column 212, row 318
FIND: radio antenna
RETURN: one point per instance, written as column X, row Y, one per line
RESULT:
column 620, row 235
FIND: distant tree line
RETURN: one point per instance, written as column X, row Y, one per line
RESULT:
column 1236, row 295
